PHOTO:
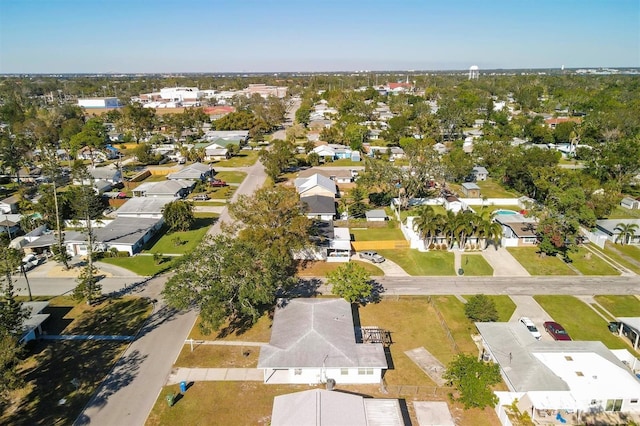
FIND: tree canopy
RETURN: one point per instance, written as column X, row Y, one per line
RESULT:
column 178, row 215
column 352, row 282
column 473, row 378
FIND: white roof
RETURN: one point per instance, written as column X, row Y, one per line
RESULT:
column 303, row 185
column 317, row 407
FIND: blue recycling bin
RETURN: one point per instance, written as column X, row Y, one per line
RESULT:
column 183, row 387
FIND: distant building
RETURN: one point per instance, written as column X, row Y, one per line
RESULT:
column 99, row 103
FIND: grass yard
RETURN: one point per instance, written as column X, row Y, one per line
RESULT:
column 474, row 264
column 258, row 332
column 493, row 207
column 590, row 264
column 537, row 265
column 628, row 256
column 433, row 263
column 491, row 189
column 214, row 356
column 580, row 321
column 231, row 177
column 377, row 234
column 50, row 366
column 620, row 306
column 321, row 268
column 242, row 159
column 344, row 162
column 504, row 306
column 621, row 213
column 167, row 243
column 142, row 264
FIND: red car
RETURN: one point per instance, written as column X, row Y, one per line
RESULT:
column 556, row 331
column 218, row 182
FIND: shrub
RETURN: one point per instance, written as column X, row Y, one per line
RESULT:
column 480, row 308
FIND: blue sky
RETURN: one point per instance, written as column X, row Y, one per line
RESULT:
column 123, row 36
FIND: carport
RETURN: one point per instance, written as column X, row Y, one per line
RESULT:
column 630, row 327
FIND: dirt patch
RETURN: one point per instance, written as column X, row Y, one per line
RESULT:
column 58, row 271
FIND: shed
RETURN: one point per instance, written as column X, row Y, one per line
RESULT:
column 630, row 203
column 378, row 215
column 480, row 173
column 471, row 190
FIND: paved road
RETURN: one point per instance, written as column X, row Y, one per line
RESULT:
column 400, row 285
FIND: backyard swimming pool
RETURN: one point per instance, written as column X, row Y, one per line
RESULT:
column 504, row 212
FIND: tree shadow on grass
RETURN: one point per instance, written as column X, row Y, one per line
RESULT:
column 63, row 375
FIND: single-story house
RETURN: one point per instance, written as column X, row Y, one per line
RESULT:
column 166, row 188
column 480, row 173
column 92, row 154
column 396, row 153
column 314, row 340
column 195, row 171
column 630, row 203
column 32, row 324
column 630, row 327
column 44, row 241
column 215, row 152
column 578, row 377
column 319, row 207
column 470, row 190
column 319, row 407
column 101, row 186
column 336, row 175
column 377, row 215
column 10, row 204
column 10, row 223
column 144, row 207
column 127, row 234
column 240, row 135
column 316, row 184
column 517, row 230
column 110, row 174
column 613, row 228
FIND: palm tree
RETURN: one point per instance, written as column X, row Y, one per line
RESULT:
column 463, row 227
column 626, row 232
column 490, row 231
column 428, row 224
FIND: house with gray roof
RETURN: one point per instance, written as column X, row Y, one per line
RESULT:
column 319, row 407
column 377, row 215
column 144, row 207
column 195, row 171
column 575, row 377
column 480, row 173
column 314, row 340
column 319, row 207
column 166, row 188
column 110, row 174
column 316, row 184
column 517, row 230
column 612, row 229
column 9, row 204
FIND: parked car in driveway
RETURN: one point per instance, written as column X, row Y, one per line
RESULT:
column 218, row 183
column 531, row 327
column 200, row 197
column 371, row 256
column 29, row 262
column 556, row 330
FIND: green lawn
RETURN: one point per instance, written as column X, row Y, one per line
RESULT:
column 141, row 264
column 537, row 265
column 377, row 234
column 627, row 256
column 590, row 264
column 621, row 213
column 474, row 264
column 580, row 321
column 321, row 268
column 433, row 263
column 242, row 159
column 620, row 306
column 504, row 306
column 231, row 177
column 491, row 189
column 188, row 239
column 341, row 163
column 491, row 208
column 414, row 211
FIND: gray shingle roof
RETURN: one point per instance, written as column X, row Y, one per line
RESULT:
column 316, row 333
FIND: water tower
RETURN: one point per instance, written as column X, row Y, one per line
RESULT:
column 474, row 72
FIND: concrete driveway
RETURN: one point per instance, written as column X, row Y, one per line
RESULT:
column 390, row 269
column 526, row 306
column 503, row 263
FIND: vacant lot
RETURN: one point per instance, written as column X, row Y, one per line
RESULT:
column 628, row 256
column 321, row 268
column 242, row 159
column 231, row 177
column 49, row 397
column 377, row 234
column 620, row 306
column 589, row 264
column 433, row 263
column 536, row 264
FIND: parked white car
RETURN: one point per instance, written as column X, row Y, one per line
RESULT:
column 531, row 327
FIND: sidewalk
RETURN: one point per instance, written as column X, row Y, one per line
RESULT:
column 215, row 375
